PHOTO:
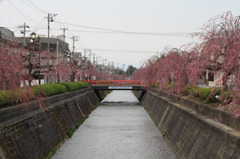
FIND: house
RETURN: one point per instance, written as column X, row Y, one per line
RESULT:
column 77, row 58
column 57, row 50
column 6, row 36
column 213, row 75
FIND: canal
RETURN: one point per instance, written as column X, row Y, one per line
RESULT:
column 119, row 128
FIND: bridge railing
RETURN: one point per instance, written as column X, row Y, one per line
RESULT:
column 116, row 83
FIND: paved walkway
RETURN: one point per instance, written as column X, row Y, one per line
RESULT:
column 118, row 129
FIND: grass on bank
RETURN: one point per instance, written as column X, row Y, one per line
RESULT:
column 9, row 97
column 206, row 95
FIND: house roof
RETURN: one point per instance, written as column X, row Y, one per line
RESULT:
column 6, row 34
column 44, row 40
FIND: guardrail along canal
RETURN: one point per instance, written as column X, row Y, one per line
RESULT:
column 118, row 128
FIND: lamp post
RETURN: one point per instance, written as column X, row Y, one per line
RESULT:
column 32, row 39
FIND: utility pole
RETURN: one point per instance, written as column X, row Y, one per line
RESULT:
column 117, row 68
column 84, row 56
column 90, row 54
column 64, row 29
column 113, row 67
column 103, row 64
column 85, row 52
column 24, row 26
column 103, row 61
column 50, row 19
column 75, row 38
column 93, row 58
column 98, row 57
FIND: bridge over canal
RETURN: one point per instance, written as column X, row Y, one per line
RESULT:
column 117, row 85
column 119, row 128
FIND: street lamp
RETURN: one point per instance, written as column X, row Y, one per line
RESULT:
column 68, row 56
column 32, row 38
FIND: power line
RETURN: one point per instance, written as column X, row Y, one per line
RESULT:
column 158, row 34
column 122, row 51
column 20, row 12
column 63, row 25
column 108, row 32
column 129, row 32
column 89, row 27
column 59, row 24
column 39, row 25
column 34, row 5
column 28, row 5
column 10, row 20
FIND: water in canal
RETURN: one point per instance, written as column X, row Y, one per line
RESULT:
column 119, row 128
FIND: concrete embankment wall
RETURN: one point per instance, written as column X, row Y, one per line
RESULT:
column 190, row 133
column 34, row 133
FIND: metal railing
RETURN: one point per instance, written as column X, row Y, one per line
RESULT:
column 116, row 83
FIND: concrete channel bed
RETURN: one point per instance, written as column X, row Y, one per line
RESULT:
column 119, row 128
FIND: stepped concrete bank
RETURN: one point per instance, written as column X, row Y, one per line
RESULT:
column 190, row 133
column 34, row 133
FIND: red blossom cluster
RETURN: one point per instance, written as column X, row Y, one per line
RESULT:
column 16, row 65
column 20, row 67
column 218, row 52
column 175, row 69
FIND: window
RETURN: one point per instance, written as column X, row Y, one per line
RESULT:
column 210, row 76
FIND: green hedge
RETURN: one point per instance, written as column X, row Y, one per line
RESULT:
column 4, row 97
column 10, row 97
column 71, row 86
column 51, row 89
column 187, row 90
column 84, row 84
column 195, row 91
column 14, row 96
column 203, row 93
column 209, row 96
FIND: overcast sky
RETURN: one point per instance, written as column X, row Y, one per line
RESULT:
column 109, row 27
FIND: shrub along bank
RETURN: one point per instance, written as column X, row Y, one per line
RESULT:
column 214, row 97
column 8, row 97
column 207, row 95
column 71, row 86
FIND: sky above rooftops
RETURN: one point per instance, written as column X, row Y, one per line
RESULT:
column 123, row 31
